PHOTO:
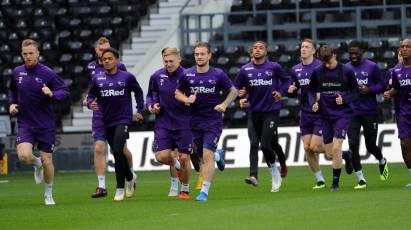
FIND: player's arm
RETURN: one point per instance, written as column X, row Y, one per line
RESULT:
column 12, row 100
column 92, row 96
column 152, row 101
column 138, row 95
column 313, row 91
column 59, row 90
column 179, row 93
column 231, row 96
column 379, row 81
column 285, row 80
column 294, row 86
column 239, row 84
column 353, row 91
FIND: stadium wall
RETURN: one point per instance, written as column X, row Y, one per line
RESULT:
column 236, row 144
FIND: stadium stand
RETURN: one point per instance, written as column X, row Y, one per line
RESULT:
column 66, row 30
column 283, row 23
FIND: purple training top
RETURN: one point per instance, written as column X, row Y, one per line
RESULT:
column 35, row 108
column 301, row 75
column 207, row 87
column 401, row 82
column 260, row 82
column 367, row 73
column 174, row 115
column 329, row 83
column 113, row 93
column 94, row 68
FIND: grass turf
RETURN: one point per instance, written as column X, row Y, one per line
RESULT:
column 232, row 204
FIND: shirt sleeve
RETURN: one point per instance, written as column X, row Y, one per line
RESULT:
column 313, row 88
column 225, row 82
column 395, row 83
column 182, row 84
column 379, row 81
column 92, row 92
column 13, row 99
column 122, row 67
column 296, row 82
column 58, row 87
column 239, row 80
column 353, row 91
column 138, row 93
column 285, row 80
column 152, row 93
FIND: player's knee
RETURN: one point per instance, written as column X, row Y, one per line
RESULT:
column 316, row 148
column 23, row 156
column 307, row 147
column 47, row 159
column 99, row 149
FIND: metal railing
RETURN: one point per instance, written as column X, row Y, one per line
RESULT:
column 334, row 24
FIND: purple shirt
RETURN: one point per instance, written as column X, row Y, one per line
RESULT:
column 388, row 76
column 329, row 83
column 401, row 82
column 113, row 93
column 301, row 75
column 260, row 82
column 174, row 114
column 367, row 73
column 35, row 108
column 207, row 87
column 94, row 68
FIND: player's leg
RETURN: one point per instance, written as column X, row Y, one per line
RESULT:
column 353, row 134
column 270, row 146
column 173, row 177
column 312, row 161
column 25, row 141
column 370, row 126
column 100, row 166
column 183, row 140
column 129, row 158
column 254, row 146
column 316, row 147
column 340, row 127
column 406, row 154
column 45, row 144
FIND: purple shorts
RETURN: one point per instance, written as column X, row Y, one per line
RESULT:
column 45, row 139
column 310, row 124
column 404, row 127
column 334, row 127
column 206, row 134
column 98, row 129
column 172, row 139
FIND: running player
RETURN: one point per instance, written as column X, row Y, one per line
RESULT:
column 334, row 88
column 265, row 82
column 96, row 68
column 172, row 124
column 32, row 91
column 310, row 122
column 401, row 92
column 110, row 92
column 200, row 89
column 370, row 82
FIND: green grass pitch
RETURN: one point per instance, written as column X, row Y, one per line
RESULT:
column 232, row 204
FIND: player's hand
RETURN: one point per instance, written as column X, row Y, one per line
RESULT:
column 46, row 90
column 13, row 109
column 363, row 89
column 292, row 88
column 191, row 99
column 242, row 92
column 244, row 103
column 339, row 99
column 139, row 118
column 155, row 108
column 276, row 96
column 220, row 108
column 387, row 95
column 315, row 107
column 84, row 103
column 93, row 105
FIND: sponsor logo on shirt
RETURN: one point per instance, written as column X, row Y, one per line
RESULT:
column 101, row 78
column 111, row 92
column 213, row 82
column 362, row 81
column 23, row 73
column 190, row 75
column 121, row 83
column 405, row 82
column 250, row 75
column 304, row 81
column 249, row 68
column 260, row 82
column 298, row 70
column 202, row 89
column 163, row 75
column 269, row 73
